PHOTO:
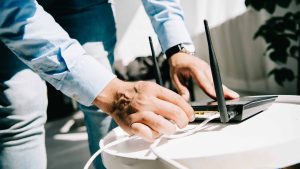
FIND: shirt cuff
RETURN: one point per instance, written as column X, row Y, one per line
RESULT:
column 85, row 78
column 174, row 32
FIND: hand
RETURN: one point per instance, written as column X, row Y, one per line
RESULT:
column 183, row 66
column 144, row 108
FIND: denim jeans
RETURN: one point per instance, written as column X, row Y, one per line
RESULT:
column 23, row 105
column 23, row 97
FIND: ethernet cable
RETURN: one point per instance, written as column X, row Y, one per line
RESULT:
column 154, row 145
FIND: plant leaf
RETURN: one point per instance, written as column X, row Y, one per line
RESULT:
column 290, row 24
column 270, row 47
column 289, row 15
column 293, row 50
column 297, row 15
column 284, row 3
column 278, row 41
column 259, row 32
column 270, row 6
column 279, row 55
column 247, row 3
column 256, row 4
column 282, row 74
column 279, row 26
column 262, row 30
column 291, row 36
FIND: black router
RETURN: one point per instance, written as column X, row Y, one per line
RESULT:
column 230, row 110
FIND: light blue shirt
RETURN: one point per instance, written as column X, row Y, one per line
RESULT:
column 34, row 36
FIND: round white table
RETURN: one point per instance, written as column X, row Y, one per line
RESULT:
column 270, row 139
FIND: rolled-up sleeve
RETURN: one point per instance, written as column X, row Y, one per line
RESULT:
column 168, row 22
column 34, row 36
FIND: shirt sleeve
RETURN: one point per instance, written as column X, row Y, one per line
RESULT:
column 168, row 22
column 34, row 36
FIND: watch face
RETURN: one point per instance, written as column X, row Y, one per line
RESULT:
column 188, row 48
column 185, row 50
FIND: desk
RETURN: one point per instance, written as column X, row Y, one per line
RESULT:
column 270, row 139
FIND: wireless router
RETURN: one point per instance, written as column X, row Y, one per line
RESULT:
column 231, row 110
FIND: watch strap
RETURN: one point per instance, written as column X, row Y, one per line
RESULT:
column 175, row 49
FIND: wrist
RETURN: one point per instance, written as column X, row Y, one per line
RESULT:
column 106, row 98
column 180, row 48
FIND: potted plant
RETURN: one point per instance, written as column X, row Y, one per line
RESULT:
column 282, row 35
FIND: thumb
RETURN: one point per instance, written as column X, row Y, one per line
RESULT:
column 182, row 90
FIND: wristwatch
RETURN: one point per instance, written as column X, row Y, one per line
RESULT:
column 177, row 48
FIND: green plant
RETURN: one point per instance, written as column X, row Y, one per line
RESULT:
column 282, row 35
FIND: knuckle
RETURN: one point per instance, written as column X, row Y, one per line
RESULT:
column 194, row 67
column 171, row 129
column 143, row 117
column 146, row 88
column 185, row 122
column 131, row 118
column 170, row 114
column 141, row 103
column 143, row 97
column 158, row 123
column 146, row 85
column 181, row 118
column 178, row 98
column 175, row 114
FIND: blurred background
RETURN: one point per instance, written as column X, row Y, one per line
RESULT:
column 256, row 43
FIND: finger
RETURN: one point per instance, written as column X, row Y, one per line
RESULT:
column 171, row 112
column 182, row 90
column 204, row 83
column 154, row 121
column 230, row 94
column 144, row 132
column 123, row 125
column 208, row 74
column 171, row 97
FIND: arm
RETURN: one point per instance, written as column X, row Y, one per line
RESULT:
column 168, row 22
column 140, row 108
column 167, row 19
column 34, row 36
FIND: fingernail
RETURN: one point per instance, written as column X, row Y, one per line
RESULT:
column 192, row 118
column 180, row 125
column 235, row 94
column 186, row 96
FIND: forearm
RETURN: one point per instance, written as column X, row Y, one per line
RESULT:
column 45, row 47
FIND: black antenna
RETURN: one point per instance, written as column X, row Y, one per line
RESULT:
column 216, row 77
column 157, row 71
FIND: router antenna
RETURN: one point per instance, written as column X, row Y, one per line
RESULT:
column 216, row 77
column 158, row 77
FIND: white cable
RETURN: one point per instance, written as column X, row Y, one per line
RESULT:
column 176, row 136
column 194, row 130
column 164, row 158
column 89, row 162
column 155, row 144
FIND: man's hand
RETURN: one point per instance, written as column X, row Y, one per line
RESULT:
column 183, row 66
column 144, row 108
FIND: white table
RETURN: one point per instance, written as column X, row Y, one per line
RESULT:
column 270, row 139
